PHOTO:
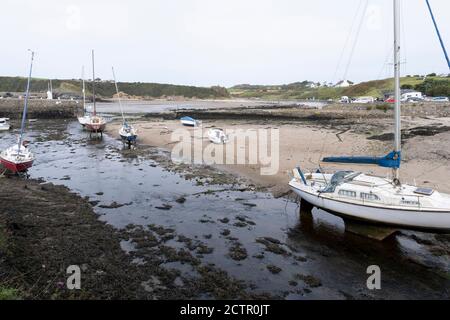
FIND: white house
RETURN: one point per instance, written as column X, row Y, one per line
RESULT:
column 344, row 84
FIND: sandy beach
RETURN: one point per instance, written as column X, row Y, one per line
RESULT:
column 305, row 143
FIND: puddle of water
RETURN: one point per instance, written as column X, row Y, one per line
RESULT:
column 317, row 247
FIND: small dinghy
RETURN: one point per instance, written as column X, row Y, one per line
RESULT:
column 128, row 133
column 4, row 124
column 189, row 122
column 217, row 136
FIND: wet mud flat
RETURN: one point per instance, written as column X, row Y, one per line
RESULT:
column 170, row 231
column 45, row 228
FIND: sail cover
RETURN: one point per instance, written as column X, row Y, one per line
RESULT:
column 392, row 160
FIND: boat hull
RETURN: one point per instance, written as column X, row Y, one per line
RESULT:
column 16, row 167
column 130, row 138
column 188, row 123
column 95, row 127
column 423, row 220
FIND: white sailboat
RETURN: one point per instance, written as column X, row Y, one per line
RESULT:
column 85, row 117
column 18, row 158
column 95, row 124
column 362, row 197
column 127, row 132
column 50, row 90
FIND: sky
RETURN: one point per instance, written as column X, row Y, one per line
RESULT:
column 212, row 42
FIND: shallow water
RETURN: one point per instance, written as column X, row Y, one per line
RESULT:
column 316, row 246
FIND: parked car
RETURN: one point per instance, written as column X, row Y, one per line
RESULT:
column 364, row 100
column 440, row 99
column 414, row 99
column 390, row 100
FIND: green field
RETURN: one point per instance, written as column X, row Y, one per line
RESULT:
column 106, row 89
column 432, row 86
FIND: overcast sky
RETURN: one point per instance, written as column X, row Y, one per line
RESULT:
column 210, row 42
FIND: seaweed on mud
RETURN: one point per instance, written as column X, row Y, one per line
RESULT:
column 424, row 131
column 237, row 252
column 273, row 245
column 273, row 269
column 311, row 281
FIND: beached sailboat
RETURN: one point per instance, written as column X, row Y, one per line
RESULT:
column 95, row 124
column 85, row 117
column 4, row 124
column 356, row 196
column 18, row 158
column 127, row 132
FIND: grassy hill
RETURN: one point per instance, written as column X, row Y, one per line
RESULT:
column 107, row 89
column 432, row 86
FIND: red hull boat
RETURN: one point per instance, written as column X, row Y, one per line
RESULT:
column 16, row 167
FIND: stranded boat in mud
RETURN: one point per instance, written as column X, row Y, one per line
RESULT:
column 362, row 197
column 127, row 132
column 4, row 124
column 189, row 122
column 217, row 136
column 18, row 158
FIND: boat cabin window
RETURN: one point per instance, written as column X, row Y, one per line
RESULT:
column 369, row 197
column 347, row 193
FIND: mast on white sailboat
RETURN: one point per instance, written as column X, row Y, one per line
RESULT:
column 93, row 83
column 84, row 90
column 397, row 133
column 118, row 95
column 25, row 109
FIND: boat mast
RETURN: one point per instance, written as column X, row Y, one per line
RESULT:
column 93, row 83
column 24, row 115
column 398, row 138
column 84, row 90
column 118, row 95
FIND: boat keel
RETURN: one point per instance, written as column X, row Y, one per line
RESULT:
column 379, row 233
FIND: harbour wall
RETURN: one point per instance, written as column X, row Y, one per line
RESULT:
column 39, row 109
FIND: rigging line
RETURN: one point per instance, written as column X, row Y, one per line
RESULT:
column 385, row 63
column 438, row 33
column 404, row 44
column 346, row 42
column 356, row 39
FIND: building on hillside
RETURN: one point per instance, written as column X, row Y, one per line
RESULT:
column 344, row 84
column 312, row 85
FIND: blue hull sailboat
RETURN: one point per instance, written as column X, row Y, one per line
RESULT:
column 127, row 132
